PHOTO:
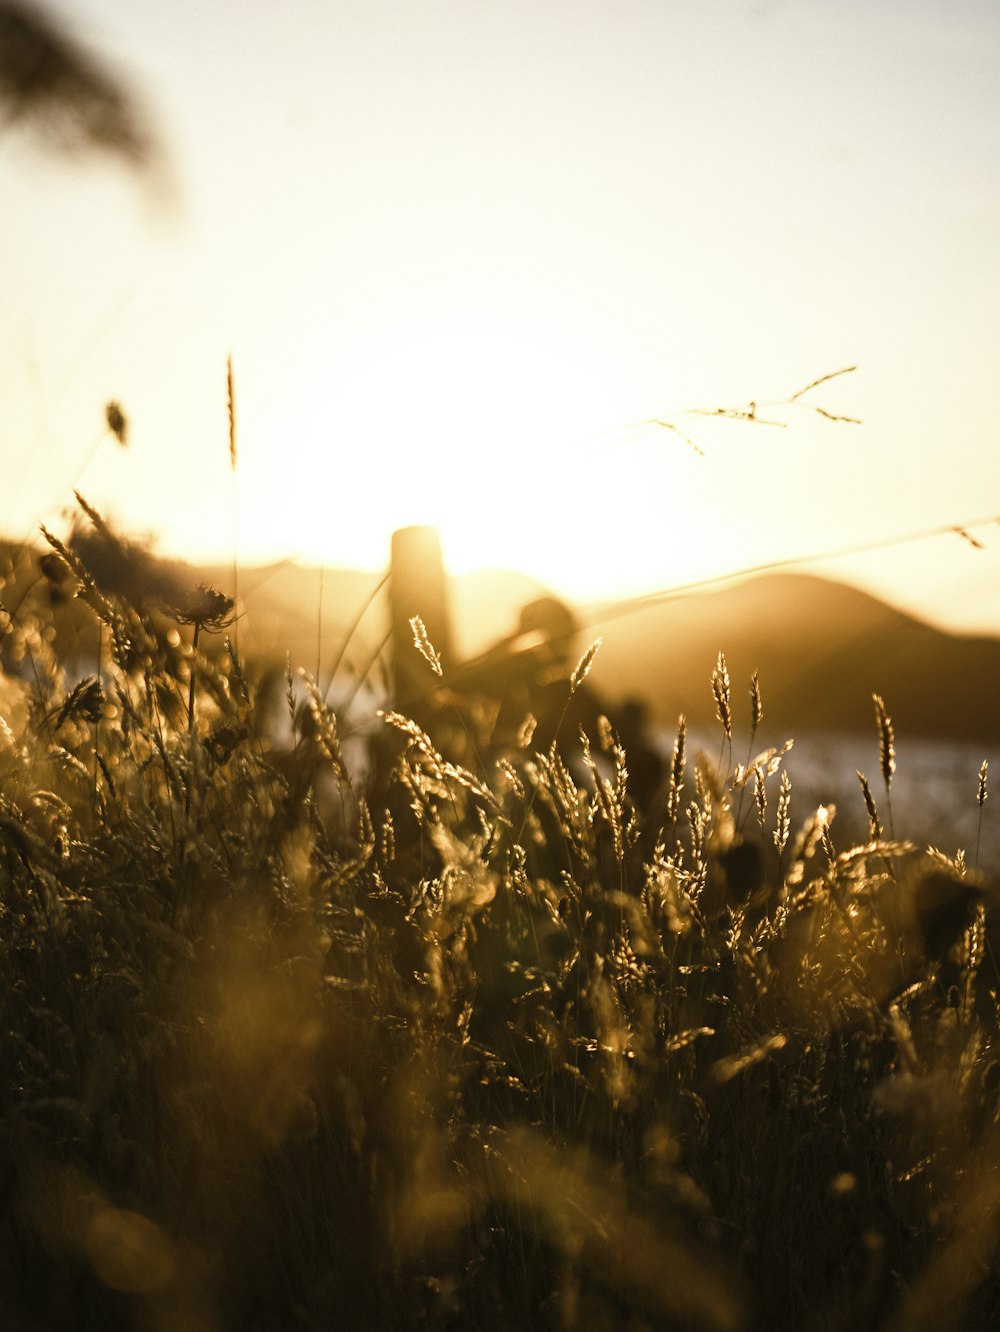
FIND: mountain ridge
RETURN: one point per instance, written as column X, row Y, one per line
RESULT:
column 821, row 648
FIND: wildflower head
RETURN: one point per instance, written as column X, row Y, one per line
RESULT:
column 204, row 606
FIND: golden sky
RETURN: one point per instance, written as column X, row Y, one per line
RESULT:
column 456, row 247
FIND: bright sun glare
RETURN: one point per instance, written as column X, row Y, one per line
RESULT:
column 481, row 429
column 496, row 433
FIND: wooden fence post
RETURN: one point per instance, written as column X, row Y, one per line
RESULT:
column 417, row 587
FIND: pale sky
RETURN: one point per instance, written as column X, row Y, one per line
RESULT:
column 453, row 246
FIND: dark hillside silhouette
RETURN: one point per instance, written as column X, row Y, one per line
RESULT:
column 821, row 649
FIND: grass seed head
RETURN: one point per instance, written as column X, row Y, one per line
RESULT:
column 117, row 422
column 231, row 412
column 782, row 820
column 583, row 665
column 887, row 743
column 759, row 795
column 873, row 819
column 723, row 695
column 423, row 644
column 756, row 705
column 677, row 772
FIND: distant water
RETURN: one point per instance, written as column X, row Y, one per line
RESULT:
column 933, row 789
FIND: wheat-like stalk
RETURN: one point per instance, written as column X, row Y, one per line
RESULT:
column 582, row 668
column 760, row 795
column 723, row 695
column 231, row 411
column 782, row 818
column 756, row 707
column 677, row 765
column 887, row 742
column 424, row 646
column 874, row 822
column 982, row 796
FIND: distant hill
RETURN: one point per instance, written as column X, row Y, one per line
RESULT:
column 821, row 649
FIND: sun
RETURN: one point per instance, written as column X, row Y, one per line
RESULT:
column 494, row 431
column 471, row 424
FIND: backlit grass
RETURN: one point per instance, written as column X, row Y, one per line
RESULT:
column 476, row 1043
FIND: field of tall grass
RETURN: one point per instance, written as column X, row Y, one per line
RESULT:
column 475, row 1044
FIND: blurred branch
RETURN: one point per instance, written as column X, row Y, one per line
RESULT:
column 750, row 412
column 63, row 93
